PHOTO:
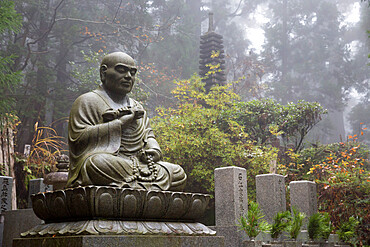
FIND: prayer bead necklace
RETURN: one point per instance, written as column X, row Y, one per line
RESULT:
column 149, row 175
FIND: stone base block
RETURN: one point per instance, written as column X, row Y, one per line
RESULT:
column 234, row 237
column 116, row 241
column 16, row 222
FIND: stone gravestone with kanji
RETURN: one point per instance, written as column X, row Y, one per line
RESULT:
column 270, row 193
column 303, row 196
column 5, row 200
column 231, row 203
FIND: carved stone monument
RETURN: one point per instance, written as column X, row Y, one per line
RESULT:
column 5, row 200
column 270, row 194
column 231, row 202
column 212, row 53
column 58, row 180
column 117, row 184
column 303, row 196
column 6, row 193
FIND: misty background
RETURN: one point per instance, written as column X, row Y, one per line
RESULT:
column 284, row 49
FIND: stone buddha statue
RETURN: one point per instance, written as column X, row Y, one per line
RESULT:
column 110, row 139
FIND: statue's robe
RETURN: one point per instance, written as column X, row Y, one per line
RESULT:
column 102, row 153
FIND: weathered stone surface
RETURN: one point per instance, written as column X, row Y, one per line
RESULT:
column 303, row 196
column 16, row 222
column 313, row 244
column 118, row 241
column 326, row 244
column 292, row 243
column 104, row 202
column 6, row 193
column 5, row 200
column 252, row 243
column 231, row 200
column 231, row 203
column 117, row 227
column 233, row 236
column 35, row 186
column 270, row 193
column 59, row 178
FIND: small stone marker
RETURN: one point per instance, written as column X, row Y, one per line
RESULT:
column 303, row 196
column 35, row 186
column 231, row 202
column 270, row 193
column 6, row 193
column 5, row 201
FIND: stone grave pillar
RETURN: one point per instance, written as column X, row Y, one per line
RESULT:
column 270, row 193
column 231, row 203
column 5, row 201
column 13, row 222
column 35, row 186
column 303, row 196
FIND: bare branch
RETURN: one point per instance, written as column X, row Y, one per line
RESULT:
column 117, row 11
column 80, row 20
column 52, row 22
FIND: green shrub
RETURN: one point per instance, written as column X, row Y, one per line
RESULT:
column 326, row 227
column 314, row 226
column 347, row 230
column 295, row 224
column 190, row 135
column 252, row 224
column 280, row 224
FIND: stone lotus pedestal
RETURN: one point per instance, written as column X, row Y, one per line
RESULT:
column 81, row 215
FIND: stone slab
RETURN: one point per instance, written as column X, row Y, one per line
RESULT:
column 5, row 193
column 231, row 200
column 270, row 194
column 234, row 237
column 127, row 241
column 35, row 186
column 16, row 222
column 303, row 196
column 5, row 201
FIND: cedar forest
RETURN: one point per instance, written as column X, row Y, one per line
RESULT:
column 300, row 100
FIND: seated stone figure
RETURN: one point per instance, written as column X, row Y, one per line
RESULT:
column 110, row 140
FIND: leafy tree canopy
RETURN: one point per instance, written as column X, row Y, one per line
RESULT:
column 10, row 22
column 206, row 131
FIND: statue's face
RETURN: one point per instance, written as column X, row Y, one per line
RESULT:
column 118, row 72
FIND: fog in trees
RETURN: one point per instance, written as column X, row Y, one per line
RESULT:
column 283, row 49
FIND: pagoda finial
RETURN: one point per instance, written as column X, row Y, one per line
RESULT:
column 210, row 22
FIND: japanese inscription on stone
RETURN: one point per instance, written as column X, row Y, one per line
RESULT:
column 6, row 192
column 241, row 194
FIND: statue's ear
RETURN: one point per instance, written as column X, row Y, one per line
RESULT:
column 103, row 69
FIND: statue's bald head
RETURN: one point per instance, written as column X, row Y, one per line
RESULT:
column 117, row 57
column 117, row 73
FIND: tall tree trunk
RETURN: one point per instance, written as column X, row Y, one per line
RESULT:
column 284, row 53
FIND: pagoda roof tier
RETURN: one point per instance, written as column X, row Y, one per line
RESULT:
column 211, row 34
column 208, row 56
